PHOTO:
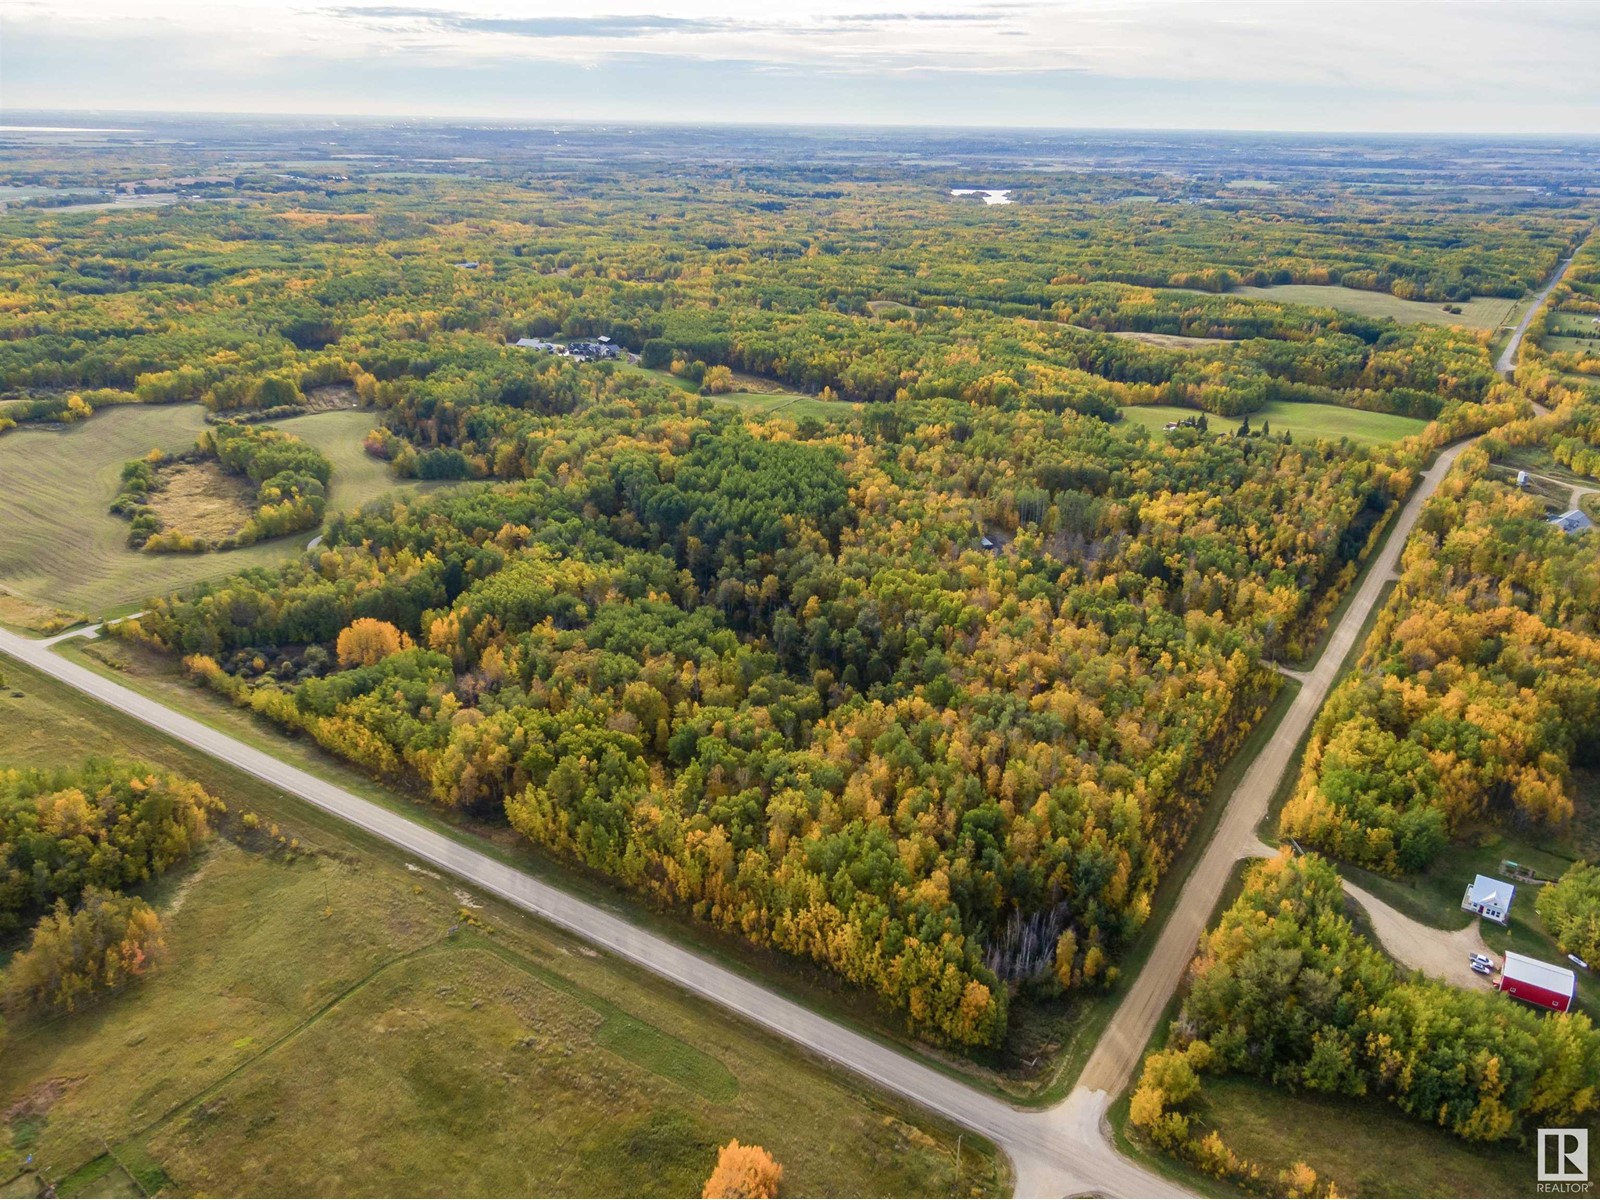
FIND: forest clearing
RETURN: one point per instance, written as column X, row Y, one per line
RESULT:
column 1479, row 313
column 63, row 545
column 1301, row 420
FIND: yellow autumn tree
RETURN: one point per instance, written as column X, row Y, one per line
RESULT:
column 743, row 1171
column 106, row 942
column 366, row 641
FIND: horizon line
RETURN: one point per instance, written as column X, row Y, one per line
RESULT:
column 13, row 113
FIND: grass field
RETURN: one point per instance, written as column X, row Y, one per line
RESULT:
column 1367, row 1147
column 793, row 405
column 1302, row 420
column 1481, row 312
column 331, row 1021
column 1571, row 331
column 63, row 546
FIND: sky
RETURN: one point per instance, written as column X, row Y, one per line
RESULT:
column 1496, row 66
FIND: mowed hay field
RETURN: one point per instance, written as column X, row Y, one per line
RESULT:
column 63, row 546
column 334, row 1020
column 1481, row 312
column 1302, row 420
column 1571, row 332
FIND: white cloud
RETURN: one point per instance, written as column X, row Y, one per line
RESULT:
column 1531, row 64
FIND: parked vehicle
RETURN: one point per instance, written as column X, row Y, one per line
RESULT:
column 1576, row 961
column 1482, row 964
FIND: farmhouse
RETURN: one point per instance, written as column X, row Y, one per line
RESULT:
column 1541, row 983
column 1489, row 898
column 1572, row 521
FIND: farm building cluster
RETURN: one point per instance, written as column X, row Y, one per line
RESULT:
column 598, row 350
column 1544, row 984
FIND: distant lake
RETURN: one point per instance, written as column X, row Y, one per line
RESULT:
column 990, row 195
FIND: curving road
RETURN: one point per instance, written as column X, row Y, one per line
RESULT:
column 1062, row 1151
column 1443, row 954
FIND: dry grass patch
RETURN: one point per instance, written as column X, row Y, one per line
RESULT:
column 201, row 501
column 21, row 613
column 759, row 385
column 331, row 397
column 1172, row 341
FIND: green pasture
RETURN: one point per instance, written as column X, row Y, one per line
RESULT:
column 1302, row 420
column 1481, row 312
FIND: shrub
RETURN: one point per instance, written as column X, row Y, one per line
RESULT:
column 744, row 1171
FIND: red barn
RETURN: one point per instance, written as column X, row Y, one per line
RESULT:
column 1541, row 983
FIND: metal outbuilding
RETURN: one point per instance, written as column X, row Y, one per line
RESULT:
column 1541, row 983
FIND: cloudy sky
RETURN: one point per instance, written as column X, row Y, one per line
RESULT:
column 1398, row 65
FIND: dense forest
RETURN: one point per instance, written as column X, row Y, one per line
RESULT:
column 927, row 686
column 783, row 681
column 870, row 291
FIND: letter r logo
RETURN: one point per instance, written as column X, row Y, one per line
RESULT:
column 1563, row 1156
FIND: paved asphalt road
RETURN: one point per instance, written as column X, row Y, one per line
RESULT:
column 1062, row 1151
